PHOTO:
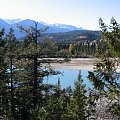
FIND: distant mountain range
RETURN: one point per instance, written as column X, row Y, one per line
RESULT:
column 53, row 28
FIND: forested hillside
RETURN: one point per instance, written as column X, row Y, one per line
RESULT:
column 74, row 36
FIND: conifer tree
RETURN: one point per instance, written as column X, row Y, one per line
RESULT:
column 105, row 78
column 11, row 47
column 31, row 71
column 3, row 68
column 75, row 109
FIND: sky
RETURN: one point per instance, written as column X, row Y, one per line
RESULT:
column 80, row 13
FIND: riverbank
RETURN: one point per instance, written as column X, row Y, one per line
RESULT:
column 78, row 63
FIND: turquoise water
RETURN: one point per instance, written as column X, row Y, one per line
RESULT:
column 67, row 78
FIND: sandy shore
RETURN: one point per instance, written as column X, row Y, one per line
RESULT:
column 78, row 63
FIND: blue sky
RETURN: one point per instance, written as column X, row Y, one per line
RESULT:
column 80, row 13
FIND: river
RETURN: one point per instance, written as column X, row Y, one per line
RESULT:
column 67, row 78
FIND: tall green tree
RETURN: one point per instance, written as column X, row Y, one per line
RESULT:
column 30, row 62
column 105, row 77
column 11, row 53
column 75, row 109
column 3, row 68
column 32, row 52
column 111, row 34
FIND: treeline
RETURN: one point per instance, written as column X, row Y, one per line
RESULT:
column 23, row 96
column 82, row 43
column 74, row 36
column 82, row 49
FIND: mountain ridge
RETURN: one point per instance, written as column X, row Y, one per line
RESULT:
column 53, row 28
column 74, row 36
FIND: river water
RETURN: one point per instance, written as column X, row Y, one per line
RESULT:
column 67, row 78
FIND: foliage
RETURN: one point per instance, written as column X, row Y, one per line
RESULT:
column 112, row 35
column 65, row 104
column 24, row 96
column 105, row 78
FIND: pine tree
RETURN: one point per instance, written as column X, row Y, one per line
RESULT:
column 31, row 71
column 10, row 58
column 105, row 78
column 75, row 109
column 3, row 68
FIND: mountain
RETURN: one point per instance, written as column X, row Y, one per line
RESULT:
column 58, row 32
column 75, row 36
column 4, row 25
column 26, row 24
column 53, row 28
column 64, row 26
column 12, row 21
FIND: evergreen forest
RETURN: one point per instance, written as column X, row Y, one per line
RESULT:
column 24, row 96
